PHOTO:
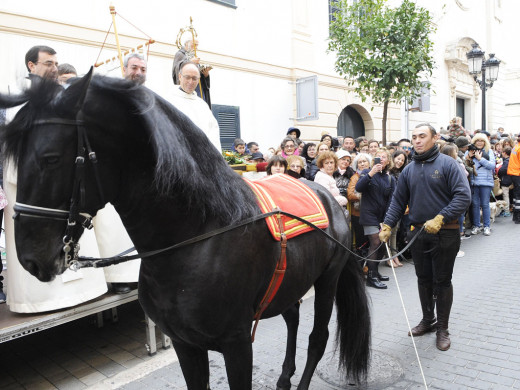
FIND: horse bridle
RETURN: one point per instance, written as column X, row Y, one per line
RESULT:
column 74, row 216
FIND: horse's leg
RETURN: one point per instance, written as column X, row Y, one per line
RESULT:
column 292, row 320
column 323, row 302
column 195, row 366
column 238, row 355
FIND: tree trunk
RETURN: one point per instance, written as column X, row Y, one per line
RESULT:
column 385, row 115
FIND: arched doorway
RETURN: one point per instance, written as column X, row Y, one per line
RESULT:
column 464, row 92
column 350, row 123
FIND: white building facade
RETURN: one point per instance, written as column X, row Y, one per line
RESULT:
column 260, row 49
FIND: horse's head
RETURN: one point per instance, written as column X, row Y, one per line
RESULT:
column 149, row 156
column 55, row 186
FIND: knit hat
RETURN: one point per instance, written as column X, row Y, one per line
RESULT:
column 461, row 142
column 257, row 155
column 298, row 132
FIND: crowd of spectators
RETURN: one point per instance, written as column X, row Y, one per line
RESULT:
column 362, row 174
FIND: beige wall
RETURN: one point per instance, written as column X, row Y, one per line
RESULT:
column 258, row 50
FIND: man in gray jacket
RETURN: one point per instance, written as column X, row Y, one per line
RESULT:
column 437, row 193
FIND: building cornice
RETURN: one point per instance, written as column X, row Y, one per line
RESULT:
column 44, row 29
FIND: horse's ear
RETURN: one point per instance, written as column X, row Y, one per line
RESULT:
column 8, row 101
column 71, row 100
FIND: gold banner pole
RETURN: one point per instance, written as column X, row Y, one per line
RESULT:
column 136, row 49
column 113, row 13
column 195, row 54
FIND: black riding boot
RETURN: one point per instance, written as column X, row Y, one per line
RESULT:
column 372, row 277
column 444, row 302
column 428, row 321
column 382, row 278
column 516, row 216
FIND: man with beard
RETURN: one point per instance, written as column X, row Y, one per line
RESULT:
column 349, row 145
column 43, row 62
column 134, row 67
column 438, row 193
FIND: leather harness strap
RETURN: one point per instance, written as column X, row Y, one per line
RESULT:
column 276, row 279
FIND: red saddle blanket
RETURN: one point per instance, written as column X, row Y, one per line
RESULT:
column 292, row 196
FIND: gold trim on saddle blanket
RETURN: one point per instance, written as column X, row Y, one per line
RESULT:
column 292, row 196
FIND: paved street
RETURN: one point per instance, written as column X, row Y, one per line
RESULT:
column 485, row 352
column 485, row 327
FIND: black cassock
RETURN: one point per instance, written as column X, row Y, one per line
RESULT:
column 181, row 57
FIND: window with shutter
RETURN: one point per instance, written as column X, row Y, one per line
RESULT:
column 228, row 118
column 422, row 102
column 307, row 98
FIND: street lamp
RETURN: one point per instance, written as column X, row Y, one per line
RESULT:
column 477, row 65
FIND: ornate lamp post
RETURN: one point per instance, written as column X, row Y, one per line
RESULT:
column 477, row 65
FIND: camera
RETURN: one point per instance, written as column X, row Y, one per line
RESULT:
column 377, row 160
column 473, row 147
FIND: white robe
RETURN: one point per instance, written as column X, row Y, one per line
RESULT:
column 25, row 293
column 198, row 111
column 112, row 239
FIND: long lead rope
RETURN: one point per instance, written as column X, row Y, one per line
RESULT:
column 406, row 316
column 85, row 262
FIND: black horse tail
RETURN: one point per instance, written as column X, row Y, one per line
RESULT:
column 353, row 323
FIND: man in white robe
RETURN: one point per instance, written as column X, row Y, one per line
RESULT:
column 111, row 234
column 25, row 293
column 186, row 100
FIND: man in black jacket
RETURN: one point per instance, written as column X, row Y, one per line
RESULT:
column 437, row 193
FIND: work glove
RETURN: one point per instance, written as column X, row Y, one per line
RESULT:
column 433, row 225
column 385, row 233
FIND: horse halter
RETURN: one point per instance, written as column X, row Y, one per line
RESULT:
column 77, row 201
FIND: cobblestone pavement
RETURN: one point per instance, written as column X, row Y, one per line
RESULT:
column 484, row 327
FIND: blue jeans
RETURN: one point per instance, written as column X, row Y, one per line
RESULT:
column 461, row 223
column 480, row 199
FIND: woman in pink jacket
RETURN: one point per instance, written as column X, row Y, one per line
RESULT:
column 328, row 163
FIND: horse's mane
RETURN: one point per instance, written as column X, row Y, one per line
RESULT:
column 36, row 99
column 187, row 165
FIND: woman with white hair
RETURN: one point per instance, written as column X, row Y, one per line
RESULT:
column 482, row 158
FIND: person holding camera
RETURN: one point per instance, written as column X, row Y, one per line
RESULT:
column 376, row 186
column 482, row 158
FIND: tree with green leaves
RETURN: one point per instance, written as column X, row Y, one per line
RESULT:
column 385, row 53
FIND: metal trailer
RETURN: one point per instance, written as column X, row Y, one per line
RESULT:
column 16, row 325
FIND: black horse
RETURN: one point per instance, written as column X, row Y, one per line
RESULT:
column 169, row 183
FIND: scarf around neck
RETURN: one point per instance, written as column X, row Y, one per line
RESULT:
column 432, row 152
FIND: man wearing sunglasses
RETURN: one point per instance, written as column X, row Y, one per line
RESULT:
column 406, row 146
column 42, row 61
